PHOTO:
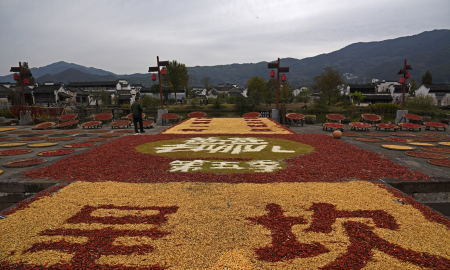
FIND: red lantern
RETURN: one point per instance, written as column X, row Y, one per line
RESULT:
column 163, row 72
column 402, row 80
column 407, row 75
column 153, row 77
column 16, row 77
column 272, row 73
column 283, row 78
column 26, row 81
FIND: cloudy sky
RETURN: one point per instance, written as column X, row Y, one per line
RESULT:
column 125, row 37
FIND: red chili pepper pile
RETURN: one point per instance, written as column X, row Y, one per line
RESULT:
column 411, row 116
column 335, row 117
column 396, row 139
column 68, row 123
column 57, row 152
column 251, row 115
column 97, row 139
column 360, row 125
column 169, row 116
column 32, row 139
column 196, row 114
column 78, row 145
column 68, row 117
column 59, row 139
column 371, row 117
column 334, row 125
column 437, row 149
column 332, row 160
column 384, row 125
column 7, row 139
column 422, row 139
column 14, row 152
column 434, row 124
column 375, row 134
column 409, row 125
column 24, row 162
column 295, row 116
column 103, row 116
column 424, row 154
column 45, row 125
column 91, row 123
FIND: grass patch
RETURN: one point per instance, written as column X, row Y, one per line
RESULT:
column 263, row 149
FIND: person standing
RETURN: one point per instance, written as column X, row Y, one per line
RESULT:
column 137, row 110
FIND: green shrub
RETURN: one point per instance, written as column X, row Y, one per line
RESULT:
column 385, row 108
column 421, row 103
column 125, row 106
column 6, row 114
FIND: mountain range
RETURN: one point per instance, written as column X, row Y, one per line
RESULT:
column 381, row 60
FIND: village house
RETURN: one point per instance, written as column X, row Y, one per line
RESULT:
column 119, row 90
column 379, row 92
column 439, row 92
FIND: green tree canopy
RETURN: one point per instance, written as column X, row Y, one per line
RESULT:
column 427, row 78
column 177, row 76
column 206, row 82
column 357, row 97
column 256, row 87
column 413, row 88
column 304, row 96
column 329, row 82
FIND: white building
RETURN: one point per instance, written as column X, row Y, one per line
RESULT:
column 439, row 92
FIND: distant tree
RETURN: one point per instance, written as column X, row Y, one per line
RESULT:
column 206, row 83
column 149, row 101
column 357, row 97
column 25, row 69
column 177, row 76
column 329, row 83
column 256, row 87
column 166, row 91
column 413, row 88
column 271, row 92
column 95, row 96
column 191, row 82
column 286, row 93
column 304, row 96
column 105, row 96
column 427, row 78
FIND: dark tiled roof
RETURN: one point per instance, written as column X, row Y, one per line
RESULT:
column 235, row 90
column 26, row 90
column 145, row 89
column 363, row 88
column 398, row 89
column 96, row 84
column 78, row 91
column 3, row 88
column 64, row 95
column 46, row 89
column 124, row 97
column 123, row 92
column 438, row 87
column 224, row 88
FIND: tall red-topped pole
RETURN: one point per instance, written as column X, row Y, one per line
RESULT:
column 159, row 80
column 279, row 69
column 402, row 81
column 156, row 69
column 21, row 83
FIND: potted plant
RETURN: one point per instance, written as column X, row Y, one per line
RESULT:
column 310, row 119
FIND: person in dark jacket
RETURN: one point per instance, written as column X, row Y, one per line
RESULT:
column 137, row 110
